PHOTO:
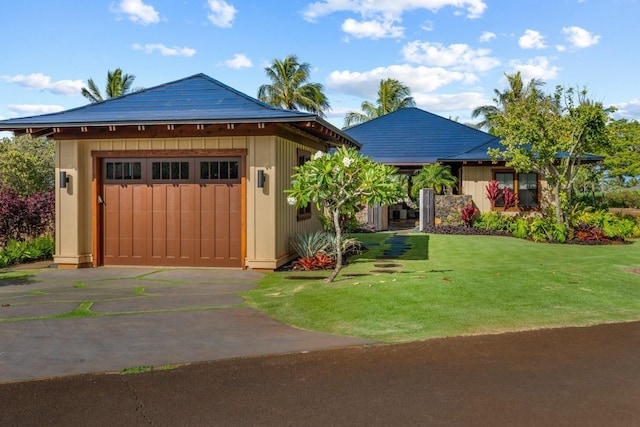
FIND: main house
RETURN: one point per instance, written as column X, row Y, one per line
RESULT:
column 188, row 173
column 410, row 138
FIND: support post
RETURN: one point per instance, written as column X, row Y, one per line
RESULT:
column 427, row 208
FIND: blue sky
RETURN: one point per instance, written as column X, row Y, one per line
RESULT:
column 451, row 53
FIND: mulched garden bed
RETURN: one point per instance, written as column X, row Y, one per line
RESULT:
column 472, row 231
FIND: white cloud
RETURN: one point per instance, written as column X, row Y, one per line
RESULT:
column 42, row 82
column 537, row 68
column 238, row 61
column 579, row 37
column 450, row 102
column 221, row 13
column 427, row 26
column 372, row 29
column 418, row 79
column 458, row 56
column 164, row 50
column 389, row 9
column 532, row 39
column 32, row 109
column 137, row 11
column 487, row 36
column 628, row 110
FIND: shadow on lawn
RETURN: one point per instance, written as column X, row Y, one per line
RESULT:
column 398, row 247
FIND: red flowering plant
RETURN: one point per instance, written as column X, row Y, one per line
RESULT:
column 493, row 192
column 468, row 213
column 510, row 198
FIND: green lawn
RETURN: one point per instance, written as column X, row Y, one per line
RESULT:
column 459, row 285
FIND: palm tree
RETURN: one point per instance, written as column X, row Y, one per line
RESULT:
column 434, row 176
column 516, row 91
column 289, row 88
column 392, row 96
column 117, row 84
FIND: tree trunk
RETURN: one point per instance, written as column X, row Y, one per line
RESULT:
column 557, row 203
column 336, row 225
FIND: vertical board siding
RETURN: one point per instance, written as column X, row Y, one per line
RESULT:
column 287, row 225
column 474, row 182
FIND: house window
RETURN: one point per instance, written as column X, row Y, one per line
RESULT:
column 124, row 171
column 170, row 170
column 524, row 185
column 303, row 213
column 219, row 170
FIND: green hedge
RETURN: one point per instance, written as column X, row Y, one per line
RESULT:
column 623, row 199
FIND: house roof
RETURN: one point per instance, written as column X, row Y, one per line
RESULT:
column 411, row 136
column 198, row 99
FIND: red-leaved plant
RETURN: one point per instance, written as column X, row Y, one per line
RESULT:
column 493, row 191
column 28, row 217
column 468, row 213
column 510, row 198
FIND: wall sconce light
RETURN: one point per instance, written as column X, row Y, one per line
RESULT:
column 260, row 178
column 64, row 179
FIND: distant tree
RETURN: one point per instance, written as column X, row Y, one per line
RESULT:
column 290, row 87
column 434, row 176
column 392, row 96
column 550, row 135
column 117, row 84
column 338, row 183
column 516, row 91
column 622, row 157
column 27, row 164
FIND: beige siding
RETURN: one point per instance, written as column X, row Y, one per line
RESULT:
column 287, row 223
column 260, row 204
column 474, row 182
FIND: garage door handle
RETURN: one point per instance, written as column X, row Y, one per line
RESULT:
column 100, row 200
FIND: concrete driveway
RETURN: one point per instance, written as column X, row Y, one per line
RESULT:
column 131, row 317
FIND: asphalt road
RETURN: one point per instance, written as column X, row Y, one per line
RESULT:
column 559, row 377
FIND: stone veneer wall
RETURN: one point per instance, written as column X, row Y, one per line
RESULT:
column 449, row 206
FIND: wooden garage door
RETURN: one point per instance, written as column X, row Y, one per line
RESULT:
column 172, row 212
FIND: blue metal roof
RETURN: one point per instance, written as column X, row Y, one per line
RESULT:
column 195, row 99
column 411, row 136
column 198, row 99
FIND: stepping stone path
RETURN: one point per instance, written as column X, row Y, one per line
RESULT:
column 398, row 247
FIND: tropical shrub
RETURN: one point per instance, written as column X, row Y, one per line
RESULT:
column 19, row 251
column 436, row 176
column 520, row 228
column 492, row 221
column 468, row 213
column 317, row 250
column 310, row 244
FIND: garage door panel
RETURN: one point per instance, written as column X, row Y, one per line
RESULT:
column 124, row 213
column 173, row 223
column 158, row 222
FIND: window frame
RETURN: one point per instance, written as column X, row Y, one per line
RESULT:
column 516, row 190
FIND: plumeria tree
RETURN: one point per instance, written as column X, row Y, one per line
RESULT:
column 340, row 182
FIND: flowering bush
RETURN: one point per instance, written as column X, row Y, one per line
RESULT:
column 26, row 217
